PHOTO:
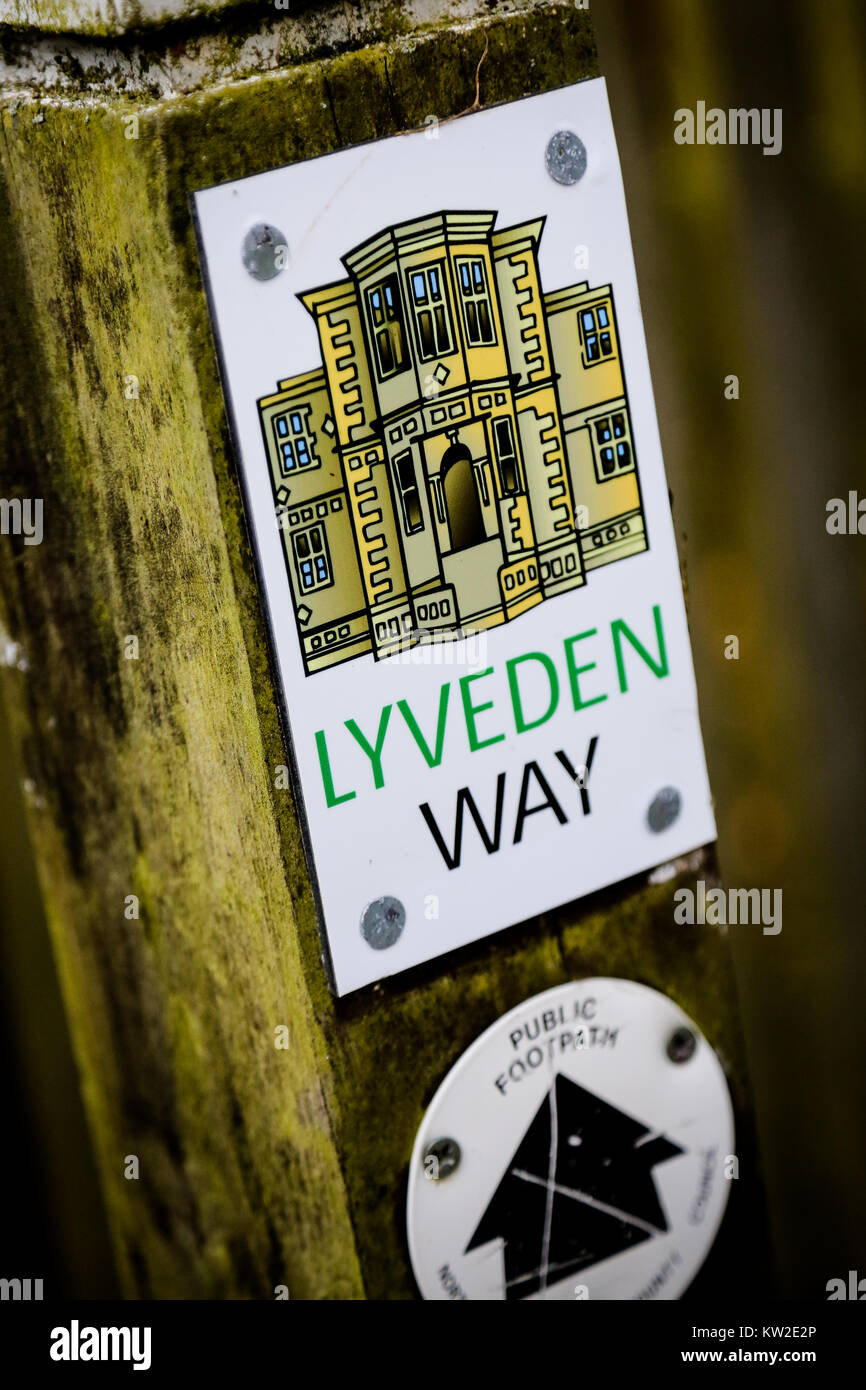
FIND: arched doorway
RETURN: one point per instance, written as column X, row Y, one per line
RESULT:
column 462, row 507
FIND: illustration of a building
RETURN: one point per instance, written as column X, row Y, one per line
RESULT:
column 465, row 450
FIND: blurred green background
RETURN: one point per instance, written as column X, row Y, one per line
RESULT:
column 751, row 265
column 754, row 265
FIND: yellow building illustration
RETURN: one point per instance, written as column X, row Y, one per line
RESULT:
column 465, row 450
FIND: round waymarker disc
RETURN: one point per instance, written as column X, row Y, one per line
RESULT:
column 579, row 1149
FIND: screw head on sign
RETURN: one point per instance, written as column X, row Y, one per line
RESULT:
column 441, row 1158
column 382, row 923
column 565, row 157
column 664, row 809
column 682, row 1045
column 265, row 251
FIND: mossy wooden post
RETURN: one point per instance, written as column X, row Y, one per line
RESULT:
column 146, row 720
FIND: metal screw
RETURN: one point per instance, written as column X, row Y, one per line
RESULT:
column 382, row 923
column 682, row 1045
column 565, row 157
column 664, row 809
column 440, row 1159
column 265, row 251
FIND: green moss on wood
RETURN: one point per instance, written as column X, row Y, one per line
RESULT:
column 151, row 771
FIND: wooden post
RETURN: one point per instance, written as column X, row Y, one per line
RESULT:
column 146, row 719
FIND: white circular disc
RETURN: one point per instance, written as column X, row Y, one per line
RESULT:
column 591, row 1164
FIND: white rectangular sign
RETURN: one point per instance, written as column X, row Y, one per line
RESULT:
column 436, row 370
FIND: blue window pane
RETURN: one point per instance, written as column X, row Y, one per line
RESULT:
column 618, row 427
column 605, row 432
column 306, row 573
column 296, row 423
column 418, row 286
column 282, row 427
column 321, row 570
column 477, row 273
column 607, row 455
column 434, row 281
column 303, row 453
column 288, row 456
column 464, row 275
column 388, row 296
column 588, row 320
column 592, row 347
column 375, row 299
column 602, row 317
